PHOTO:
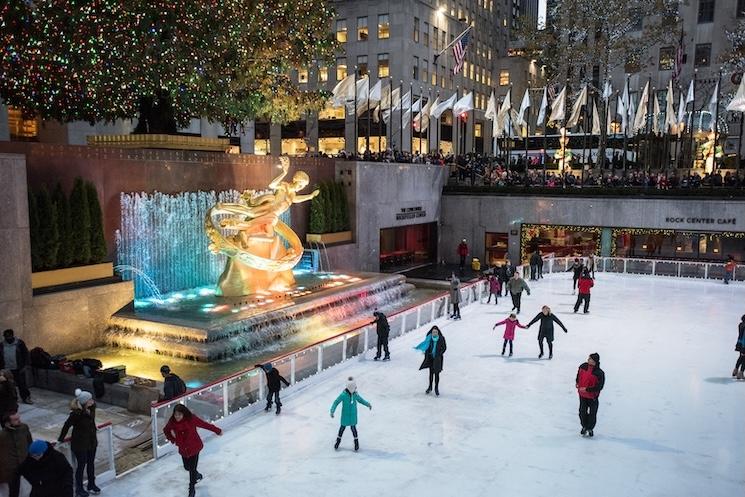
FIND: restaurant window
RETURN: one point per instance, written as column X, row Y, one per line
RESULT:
column 384, row 27
column 341, row 68
column 341, row 30
column 407, row 246
column 667, row 58
column 504, row 78
column 362, row 30
column 21, row 129
column 383, row 65
column 562, row 241
column 361, row 65
column 496, row 248
column 702, row 57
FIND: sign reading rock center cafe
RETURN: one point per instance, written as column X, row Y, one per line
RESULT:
column 701, row 220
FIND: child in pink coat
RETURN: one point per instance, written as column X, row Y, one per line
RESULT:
column 509, row 331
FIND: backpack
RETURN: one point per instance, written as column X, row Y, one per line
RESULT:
column 40, row 358
column 180, row 386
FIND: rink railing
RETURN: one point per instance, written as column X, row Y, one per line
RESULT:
column 651, row 267
column 104, row 463
column 243, row 393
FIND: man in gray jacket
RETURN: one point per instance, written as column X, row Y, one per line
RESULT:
column 14, row 356
column 516, row 286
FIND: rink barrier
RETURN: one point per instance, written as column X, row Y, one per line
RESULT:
column 651, row 267
column 104, row 462
column 239, row 395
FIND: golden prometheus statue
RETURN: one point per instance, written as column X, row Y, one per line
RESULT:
column 262, row 250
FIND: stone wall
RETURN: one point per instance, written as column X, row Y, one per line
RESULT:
column 15, row 258
column 117, row 170
column 73, row 320
column 472, row 216
column 377, row 192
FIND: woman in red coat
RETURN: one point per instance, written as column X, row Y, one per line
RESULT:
column 181, row 430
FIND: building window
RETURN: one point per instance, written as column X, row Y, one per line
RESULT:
column 21, row 129
column 384, row 69
column 362, row 31
column 384, row 27
column 426, row 34
column 425, row 71
column 302, row 75
column 504, row 78
column 705, row 11
column 478, row 130
column 433, row 75
column 667, row 58
column 435, row 38
column 443, row 39
column 415, row 72
column 740, row 9
column 361, row 65
column 323, row 74
column 703, row 55
column 416, row 30
column 341, row 68
column 442, row 76
column 341, row 30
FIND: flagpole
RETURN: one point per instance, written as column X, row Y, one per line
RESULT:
column 677, row 135
column 367, row 137
column 648, row 128
column 355, row 113
column 509, row 132
column 456, row 124
column 584, row 141
column 625, row 129
column 421, row 115
column 437, row 140
column 456, row 40
column 389, row 126
column 429, row 124
column 411, row 116
column 400, row 114
column 715, row 124
column 527, row 128
column 690, row 131
column 739, row 141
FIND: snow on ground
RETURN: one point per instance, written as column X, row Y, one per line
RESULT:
column 671, row 419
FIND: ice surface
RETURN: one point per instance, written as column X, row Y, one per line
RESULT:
column 671, row 419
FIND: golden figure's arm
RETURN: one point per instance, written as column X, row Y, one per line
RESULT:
column 304, row 198
column 285, row 167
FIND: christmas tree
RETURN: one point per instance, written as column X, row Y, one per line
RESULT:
column 161, row 61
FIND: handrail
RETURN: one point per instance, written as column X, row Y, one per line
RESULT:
column 242, row 372
column 98, row 428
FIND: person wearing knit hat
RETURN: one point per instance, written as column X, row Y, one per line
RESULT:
column 15, row 439
column 348, row 400
column 47, row 470
column 83, row 442
column 590, row 381
column 274, row 382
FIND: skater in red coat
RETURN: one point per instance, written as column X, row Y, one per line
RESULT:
column 181, row 430
column 584, row 284
column 590, row 381
column 509, row 330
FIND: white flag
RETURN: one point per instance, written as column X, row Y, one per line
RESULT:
column 437, row 110
column 343, row 91
column 363, row 92
column 670, row 117
column 401, row 101
column 607, row 90
column 595, row 119
column 656, row 115
column 621, row 111
column 558, row 107
column 640, row 120
column 738, row 102
column 713, row 103
column 421, row 120
column 376, row 93
column 689, row 97
column 608, row 120
column 434, row 105
column 625, row 99
column 524, row 105
column 417, row 106
column 491, row 107
column 463, row 105
column 391, row 100
column 631, row 109
column 681, row 124
column 542, row 111
column 577, row 108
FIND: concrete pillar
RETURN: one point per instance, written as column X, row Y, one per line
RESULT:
column 311, row 132
column 4, row 129
column 15, row 244
column 469, row 133
column 248, row 137
column 275, row 139
column 349, row 138
column 606, row 242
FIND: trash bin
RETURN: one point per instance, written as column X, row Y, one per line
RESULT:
column 476, row 264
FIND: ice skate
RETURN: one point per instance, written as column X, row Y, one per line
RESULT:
column 590, row 433
column 200, row 477
column 551, row 356
column 740, row 376
column 582, row 432
column 336, row 445
column 93, row 489
column 437, row 391
column 510, row 354
column 734, row 373
column 540, row 355
column 279, row 410
column 428, row 391
column 387, row 358
column 267, row 408
column 356, row 445
column 376, row 358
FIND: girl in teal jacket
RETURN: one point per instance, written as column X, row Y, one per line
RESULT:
column 349, row 399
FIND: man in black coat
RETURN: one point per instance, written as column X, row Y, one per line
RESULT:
column 534, row 259
column 540, row 264
column 273, row 379
column 383, row 329
column 577, row 267
column 590, row 381
column 47, row 470
column 173, row 385
column 14, row 356
column 546, row 330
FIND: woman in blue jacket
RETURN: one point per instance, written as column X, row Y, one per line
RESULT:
column 348, row 400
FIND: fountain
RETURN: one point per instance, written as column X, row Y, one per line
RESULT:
column 268, row 293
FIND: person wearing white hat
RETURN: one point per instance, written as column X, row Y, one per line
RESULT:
column 83, row 442
column 348, row 400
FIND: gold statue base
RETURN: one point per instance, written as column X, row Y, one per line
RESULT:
column 239, row 279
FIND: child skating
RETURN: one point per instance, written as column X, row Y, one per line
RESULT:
column 273, row 379
column 509, row 330
column 349, row 399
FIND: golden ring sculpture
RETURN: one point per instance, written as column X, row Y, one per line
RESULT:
column 257, row 257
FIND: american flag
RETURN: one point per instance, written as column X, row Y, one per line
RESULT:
column 459, row 51
column 679, row 58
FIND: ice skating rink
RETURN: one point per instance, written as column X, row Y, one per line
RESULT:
column 671, row 420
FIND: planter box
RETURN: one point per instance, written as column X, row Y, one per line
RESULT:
column 329, row 238
column 72, row 275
